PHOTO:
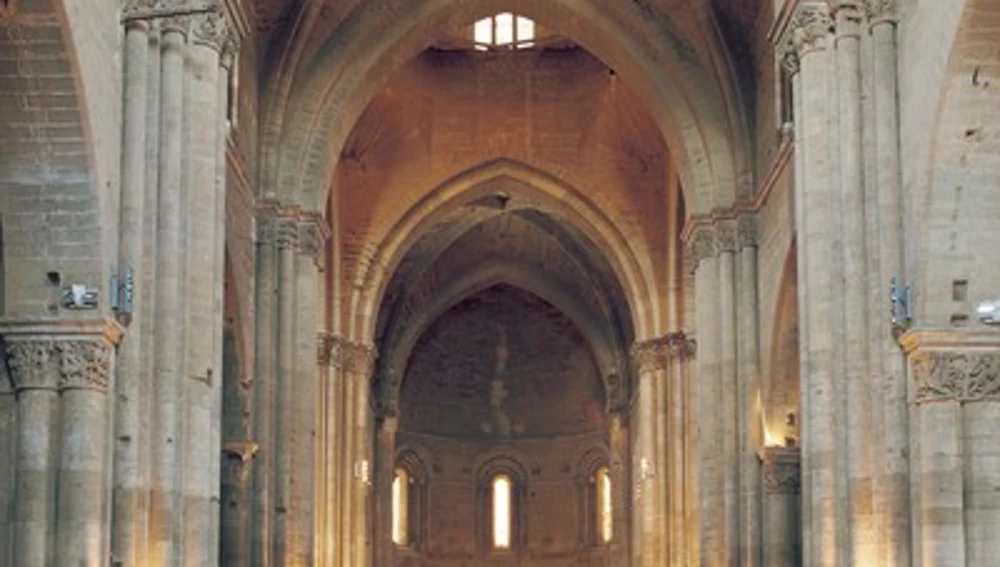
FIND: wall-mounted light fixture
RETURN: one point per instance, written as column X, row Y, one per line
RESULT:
column 79, row 296
column 123, row 294
column 901, row 297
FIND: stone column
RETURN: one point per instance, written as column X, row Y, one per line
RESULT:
column 201, row 441
column 680, row 351
column 820, row 284
column 780, row 484
column 285, row 529
column 264, row 385
column 168, row 391
column 237, row 459
column 956, row 403
column 336, row 451
column 61, row 372
column 862, row 539
column 649, row 362
column 707, row 395
column 384, row 475
column 894, row 485
column 130, row 453
column 748, row 418
column 725, row 234
column 304, row 392
column 8, row 464
column 359, row 362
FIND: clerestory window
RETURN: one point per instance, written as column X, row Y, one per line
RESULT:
column 502, row 525
column 400, row 508
column 504, row 30
column 603, row 521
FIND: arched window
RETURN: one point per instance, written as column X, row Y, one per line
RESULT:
column 501, row 519
column 400, row 508
column 504, row 30
column 604, row 521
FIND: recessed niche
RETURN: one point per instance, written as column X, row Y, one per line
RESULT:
column 960, row 290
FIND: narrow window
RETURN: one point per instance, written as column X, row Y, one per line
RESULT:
column 604, row 521
column 400, row 508
column 502, row 490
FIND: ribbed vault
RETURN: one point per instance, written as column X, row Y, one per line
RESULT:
column 496, row 239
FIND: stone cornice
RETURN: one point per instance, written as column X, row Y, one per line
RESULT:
column 60, row 355
column 780, row 470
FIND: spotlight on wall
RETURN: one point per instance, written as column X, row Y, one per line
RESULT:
column 989, row 312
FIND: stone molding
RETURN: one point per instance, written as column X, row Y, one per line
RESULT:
column 956, row 376
column 654, row 355
column 60, row 355
column 780, row 470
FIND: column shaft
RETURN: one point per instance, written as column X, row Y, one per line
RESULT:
column 981, row 449
column 8, row 465
column 858, row 407
column 285, row 533
column 264, row 391
column 34, row 497
column 147, row 302
column 348, row 478
column 780, row 484
column 302, row 445
column 385, row 473
column 729, row 393
column 708, row 392
column 130, row 454
column 941, row 488
column 204, row 376
column 896, row 519
column 169, row 354
column 748, row 420
column 675, row 450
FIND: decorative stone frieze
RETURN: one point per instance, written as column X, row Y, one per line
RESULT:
column 656, row 354
column 33, row 364
column 780, row 470
column 60, row 355
column 84, row 365
column 956, row 376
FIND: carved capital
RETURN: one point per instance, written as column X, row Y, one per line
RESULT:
column 266, row 229
column 848, row 15
column 310, row 239
column 354, row 358
column 173, row 23
column 656, row 354
column 967, row 376
column 210, row 29
column 881, row 11
column 286, row 233
column 33, row 364
column 725, row 236
column 8, row 9
column 701, row 245
column 324, row 349
column 780, row 470
column 746, row 231
column 84, row 365
column 58, row 354
column 810, row 27
column 788, row 56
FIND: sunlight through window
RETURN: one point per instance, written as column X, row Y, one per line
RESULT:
column 400, row 487
column 604, row 521
column 501, row 512
column 504, row 30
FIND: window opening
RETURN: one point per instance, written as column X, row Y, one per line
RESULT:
column 604, row 519
column 400, row 508
column 502, row 489
column 504, row 30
